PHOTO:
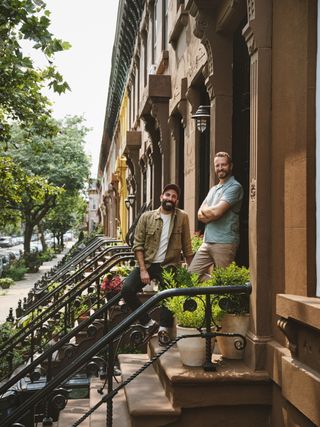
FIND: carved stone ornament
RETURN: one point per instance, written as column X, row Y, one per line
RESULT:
column 192, row 96
column 253, row 190
column 251, row 9
column 290, row 331
column 201, row 26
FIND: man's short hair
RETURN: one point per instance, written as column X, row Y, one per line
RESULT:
column 171, row 187
column 224, row 154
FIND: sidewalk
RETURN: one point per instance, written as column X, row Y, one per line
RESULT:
column 9, row 297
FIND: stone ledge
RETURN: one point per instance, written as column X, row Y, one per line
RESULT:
column 301, row 387
column 303, row 309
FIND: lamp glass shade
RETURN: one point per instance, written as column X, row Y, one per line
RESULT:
column 131, row 199
column 201, row 124
column 127, row 203
column 201, row 116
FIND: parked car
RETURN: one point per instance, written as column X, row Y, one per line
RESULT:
column 68, row 236
column 5, row 261
column 36, row 247
column 1, row 266
column 5, row 241
column 17, row 253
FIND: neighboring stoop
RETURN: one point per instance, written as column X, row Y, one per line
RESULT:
column 76, row 408
column 147, row 403
column 121, row 416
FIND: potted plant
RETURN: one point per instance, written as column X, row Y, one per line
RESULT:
column 189, row 315
column 112, row 282
column 6, row 282
column 232, row 310
column 196, row 241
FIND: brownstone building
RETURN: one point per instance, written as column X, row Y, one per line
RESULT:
column 251, row 65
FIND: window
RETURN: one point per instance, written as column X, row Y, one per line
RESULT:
column 164, row 24
column 133, row 100
column 145, row 57
column 154, row 31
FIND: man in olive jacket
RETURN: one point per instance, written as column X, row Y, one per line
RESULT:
column 160, row 237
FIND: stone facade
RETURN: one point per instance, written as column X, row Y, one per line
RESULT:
column 254, row 63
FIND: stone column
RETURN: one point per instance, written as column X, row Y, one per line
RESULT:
column 258, row 37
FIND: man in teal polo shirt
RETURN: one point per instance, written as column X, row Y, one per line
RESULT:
column 220, row 212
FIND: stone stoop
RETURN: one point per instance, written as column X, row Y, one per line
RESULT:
column 121, row 417
column 147, row 403
column 74, row 409
column 233, row 395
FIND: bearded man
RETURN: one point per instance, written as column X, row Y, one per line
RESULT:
column 161, row 237
column 220, row 212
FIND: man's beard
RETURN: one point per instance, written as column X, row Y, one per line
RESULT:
column 167, row 205
column 223, row 174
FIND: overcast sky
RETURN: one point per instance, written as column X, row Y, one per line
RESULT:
column 89, row 25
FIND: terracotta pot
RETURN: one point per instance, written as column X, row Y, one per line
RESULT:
column 192, row 350
column 237, row 323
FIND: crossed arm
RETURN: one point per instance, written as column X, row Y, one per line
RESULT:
column 207, row 214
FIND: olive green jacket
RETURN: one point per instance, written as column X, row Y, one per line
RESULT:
column 148, row 232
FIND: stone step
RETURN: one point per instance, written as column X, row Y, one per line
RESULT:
column 74, row 410
column 147, row 403
column 231, row 394
column 121, row 417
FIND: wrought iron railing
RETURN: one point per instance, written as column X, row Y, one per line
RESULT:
column 58, row 273
column 65, row 278
column 107, row 342
column 32, row 334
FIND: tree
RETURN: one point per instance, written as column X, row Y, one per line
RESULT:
column 60, row 161
column 24, row 196
column 68, row 213
column 12, row 178
column 21, row 83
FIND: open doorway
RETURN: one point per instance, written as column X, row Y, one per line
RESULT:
column 241, row 134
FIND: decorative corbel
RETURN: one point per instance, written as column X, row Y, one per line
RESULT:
column 174, row 129
column 192, row 96
column 288, row 328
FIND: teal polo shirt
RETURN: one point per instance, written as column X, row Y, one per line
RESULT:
column 225, row 229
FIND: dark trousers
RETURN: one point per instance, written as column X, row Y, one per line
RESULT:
column 132, row 285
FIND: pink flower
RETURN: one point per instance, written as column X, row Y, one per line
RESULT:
column 111, row 284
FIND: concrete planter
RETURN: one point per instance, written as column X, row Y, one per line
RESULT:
column 192, row 350
column 237, row 323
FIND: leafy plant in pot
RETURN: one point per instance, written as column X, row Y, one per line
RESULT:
column 189, row 315
column 232, row 310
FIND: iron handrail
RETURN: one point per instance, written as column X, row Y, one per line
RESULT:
column 122, row 326
column 77, row 259
column 57, row 346
column 64, row 300
column 60, row 270
column 66, row 338
column 92, row 277
column 73, row 277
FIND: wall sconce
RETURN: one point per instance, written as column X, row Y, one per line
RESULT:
column 201, row 116
column 131, row 199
